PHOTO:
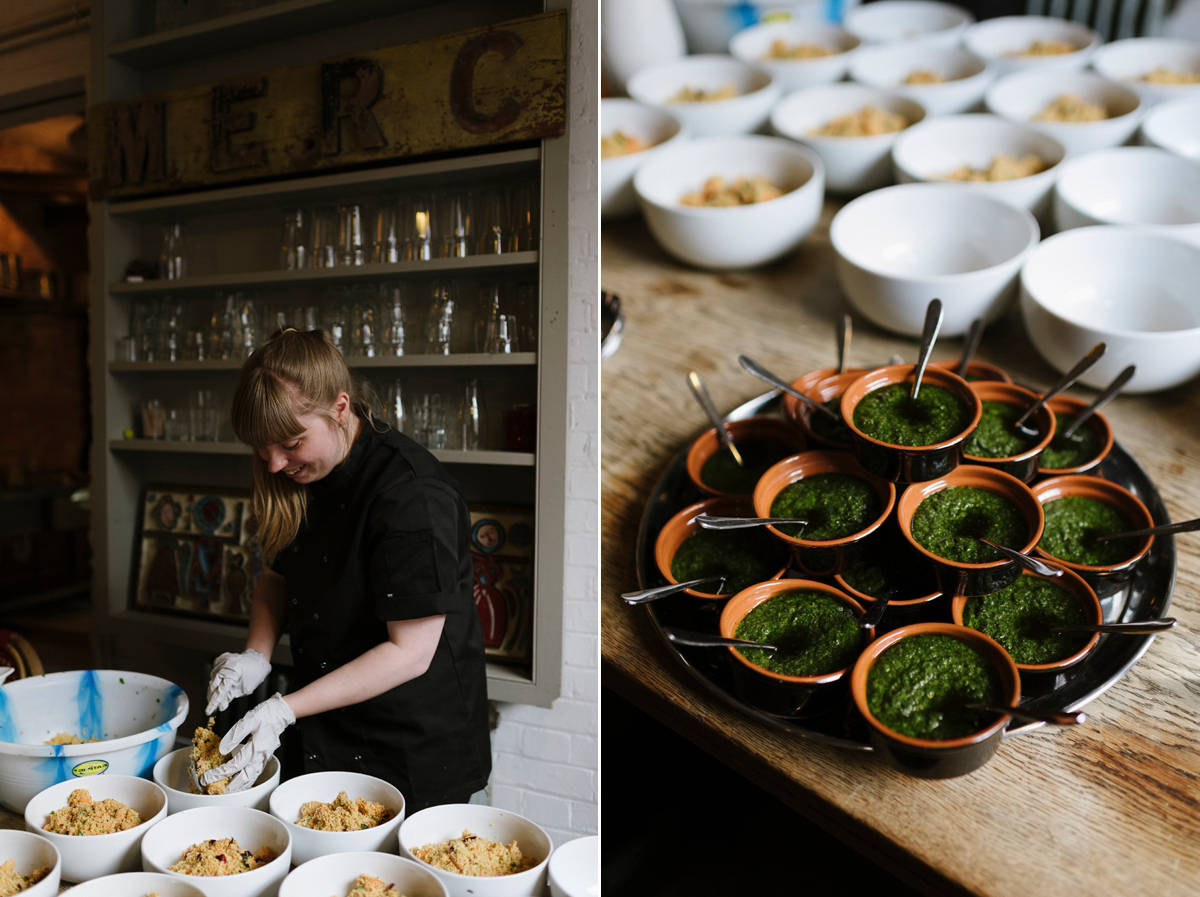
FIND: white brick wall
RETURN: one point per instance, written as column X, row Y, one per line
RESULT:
column 546, row 761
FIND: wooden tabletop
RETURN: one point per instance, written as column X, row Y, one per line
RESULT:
column 1111, row 807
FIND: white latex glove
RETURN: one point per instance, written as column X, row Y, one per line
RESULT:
column 260, row 729
column 234, row 676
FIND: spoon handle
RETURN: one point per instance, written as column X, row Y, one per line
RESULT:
column 933, row 323
column 1070, row 377
column 1064, row 718
column 1101, row 400
column 708, row 521
column 646, row 595
column 705, row 640
column 1033, row 565
column 753, row 367
column 1183, row 526
column 969, row 346
column 843, row 336
column 701, row 393
column 874, row 613
column 1134, row 627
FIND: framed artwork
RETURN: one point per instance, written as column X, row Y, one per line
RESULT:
column 502, row 558
column 197, row 552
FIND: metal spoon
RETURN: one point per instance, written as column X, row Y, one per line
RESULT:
column 708, row 521
column 753, row 367
column 1101, row 400
column 974, row 334
column 1031, row 564
column 933, row 323
column 1134, row 627
column 705, row 400
column 646, row 595
column 844, row 332
column 874, row 613
column 1183, row 526
column 1070, row 377
column 704, row 640
column 1065, row 718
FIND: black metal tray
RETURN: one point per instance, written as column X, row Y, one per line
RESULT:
column 1146, row 596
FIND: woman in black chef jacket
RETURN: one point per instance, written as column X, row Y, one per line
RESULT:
column 367, row 539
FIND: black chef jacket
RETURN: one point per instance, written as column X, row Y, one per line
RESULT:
column 387, row 537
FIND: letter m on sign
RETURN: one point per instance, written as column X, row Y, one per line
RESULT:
column 136, row 144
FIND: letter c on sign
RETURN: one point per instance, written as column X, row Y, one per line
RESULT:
column 462, row 83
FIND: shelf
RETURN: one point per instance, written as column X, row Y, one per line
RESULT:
column 446, row 456
column 461, row 360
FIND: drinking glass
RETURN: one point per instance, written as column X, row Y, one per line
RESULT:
column 440, row 325
column 364, row 337
column 429, row 420
column 144, row 327
column 386, row 242
column 500, row 336
column 393, row 406
column 175, row 427
column 493, row 219
column 392, row 317
column 293, row 251
column 418, row 227
column 336, row 319
column 526, row 309
column 472, row 416
column 523, row 230
column 203, row 416
column 154, row 414
column 172, row 257
column 350, row 238
column 306, row 317
column 454, row 214
column 324, row 237
column 170, row 330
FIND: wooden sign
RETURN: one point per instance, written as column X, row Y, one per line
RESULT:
column 485, row 87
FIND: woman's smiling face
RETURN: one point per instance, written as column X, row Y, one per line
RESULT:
column 320, row 447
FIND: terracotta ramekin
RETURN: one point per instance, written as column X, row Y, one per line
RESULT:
column 1097, row 422
column 707, row 444
column 977, row 371
column 1023, row 466
column 822, row 385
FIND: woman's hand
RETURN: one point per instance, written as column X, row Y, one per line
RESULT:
column 260, row 730
column 234, row 676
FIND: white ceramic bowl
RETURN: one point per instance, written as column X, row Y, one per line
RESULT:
column 163, row 846
column 710, row 25
column 134, row 714
column 917, row 21
column 852, row 164
column 1174, row 125
column 740, row 236
column 1140, row 185
column 136, row 884
column 308, row 843
column 30, row 852
column 754, row 44
column 888, row 66
column 1005, row 41
column 334, row 874
column 757, row 91
column 171, row 774
column 1022, row 95
column 901, row 246
column 90, row 856
column 1132, row 289
column 575, row 868
column 932, row 149
column 656, row 127
column 1131, row 59
column 441, row 823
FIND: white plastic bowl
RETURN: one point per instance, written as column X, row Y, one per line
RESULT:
column 575, row 868
column 657, row 127
column 441, row 823
column 916, row 21
column 90, row 856
column 1138, row 185
column 1022, row 95
column 932, row 149
column 171, row 774
column 1130, row 288
column 741, row 236
column 901, row 246
column 308, row 843
column 136, row 884
column 852, row 164
column 163, row 846
column 1174, row 125
column 1003, row 40
column 886, row 68
column 30, row 852
column 754, row 44
column 134, row 714
column 757, row 92
column 1131, row 59
column 333, row 875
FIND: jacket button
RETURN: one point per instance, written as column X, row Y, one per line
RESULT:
column 312, row 758
column 324, row 664
column 295, row 548
column 343, row 507
column 295, row 601
column 325, row 559
column 358, row 758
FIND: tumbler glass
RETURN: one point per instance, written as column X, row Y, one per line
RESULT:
column 494, row 219
column 523, row 230
column 418, row 227
column 336, row 319
column 203, row 416
column 364, row 337
column 386, row 241
column 350, row 237
column 429, row 420
column 324, row 237
column 472, row 416
column 393, row 406
column 441, row 324
column 293, row 253
column 172, row 257
column 454, row 217
column 392, row 317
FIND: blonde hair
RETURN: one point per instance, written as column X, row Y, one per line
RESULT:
column 293, row 373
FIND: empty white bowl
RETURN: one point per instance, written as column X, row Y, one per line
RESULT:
column 1131, row 59
column 441, row 823
column 163, row 846
column 754, row 45
column 1140, row 185
column 747, row 111
column 901, row 246
column 888, row 66
column 1006, row 41
column 929, row 151
column 334, row 874
column 90, row 856
column 136, row 884
column 171, row 774
column 852, row 164
column 656, row 127
column 575, row 868
column 739, row 236
column 308, row 843
column 1133, row 289
column 1022, row 95
column 1174, row 125
column 29, row 853
column 921, row 21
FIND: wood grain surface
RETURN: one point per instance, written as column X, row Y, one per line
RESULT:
column 1111, row 807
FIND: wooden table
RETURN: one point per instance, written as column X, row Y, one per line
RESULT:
column 1111, row 807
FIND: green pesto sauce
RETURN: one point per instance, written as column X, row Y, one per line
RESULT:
column 950, row 523
column 920, row 685
column 742, row 556
column 721, row 472
column 816, row 634
column 1020, row 615
column 1062, row 453
column 1072, row 524
column 890, row 415
column 828, row 428
column 836, row 505
column 997, row 436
